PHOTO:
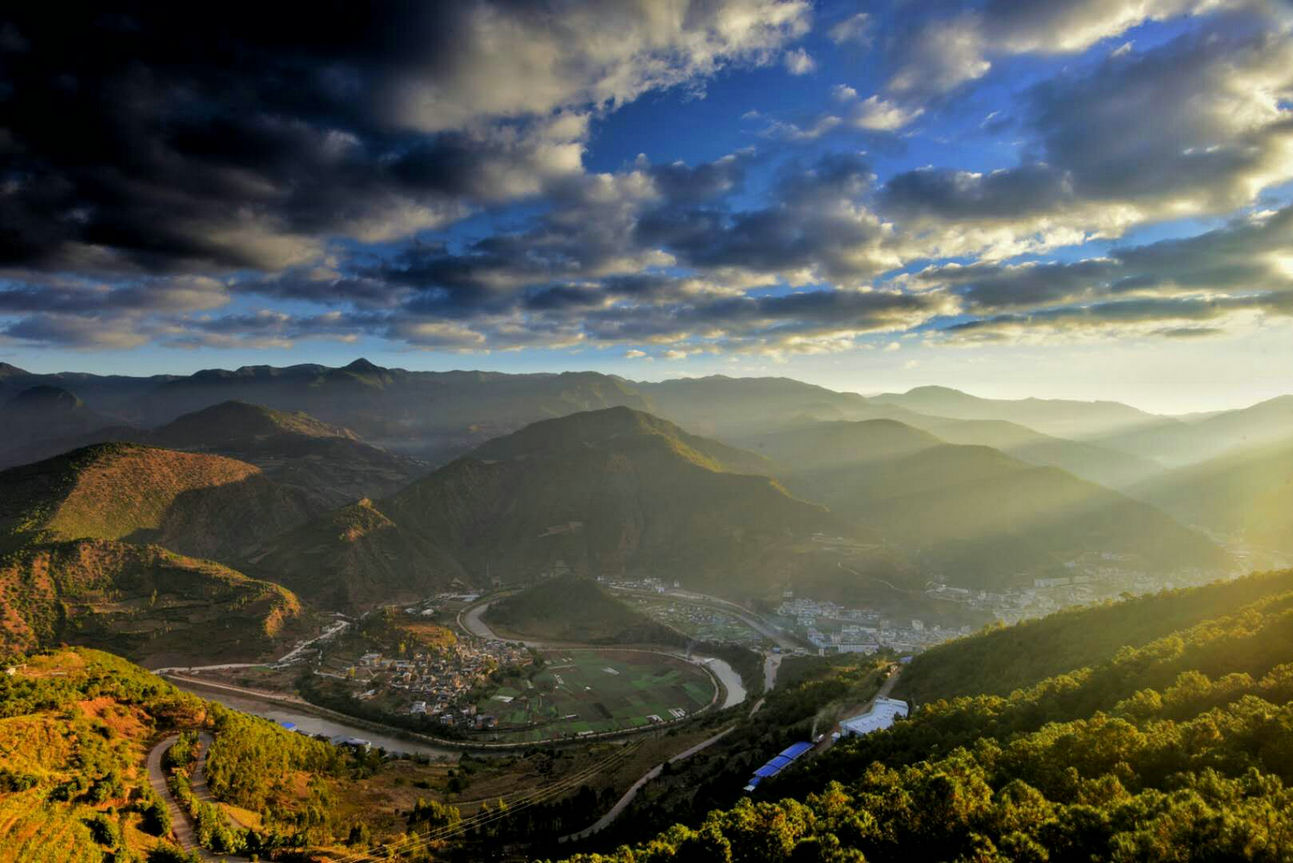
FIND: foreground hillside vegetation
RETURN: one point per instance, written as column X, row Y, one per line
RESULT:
column 76, row 727
column 1178, row 749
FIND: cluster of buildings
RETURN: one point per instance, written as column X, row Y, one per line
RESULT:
column 437, row 682
column 1092, row 578
column 833, row 628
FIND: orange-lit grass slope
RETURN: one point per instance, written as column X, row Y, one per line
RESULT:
column 144, row 602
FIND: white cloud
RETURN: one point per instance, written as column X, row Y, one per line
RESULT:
column 800, row 62
column 877, row 115
column 518, row 61
column 855, row 29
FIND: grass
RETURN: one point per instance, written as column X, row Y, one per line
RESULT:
column 583, row 691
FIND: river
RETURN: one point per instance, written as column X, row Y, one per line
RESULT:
column 312, row 724
column 730, row 679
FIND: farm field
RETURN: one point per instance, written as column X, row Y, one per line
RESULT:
column 698, row 621
column 588, row 691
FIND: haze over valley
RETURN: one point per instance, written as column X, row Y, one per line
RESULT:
column 749, row 431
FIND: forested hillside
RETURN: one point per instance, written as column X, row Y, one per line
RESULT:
column 576, row 609
column 1180, row 748
column 613, row 491
column 194, row 503
column 143, row 602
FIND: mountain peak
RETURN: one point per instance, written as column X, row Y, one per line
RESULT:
column 363, row 366
column 45, row 397
column 238, row 420
column 8, row 371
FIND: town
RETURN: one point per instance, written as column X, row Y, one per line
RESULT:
column 440, row 679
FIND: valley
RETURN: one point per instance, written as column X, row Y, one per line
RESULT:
column 582, row 627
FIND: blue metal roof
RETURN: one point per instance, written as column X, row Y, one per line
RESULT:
column 780, row 761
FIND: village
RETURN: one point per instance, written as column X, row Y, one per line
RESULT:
column 439, row 681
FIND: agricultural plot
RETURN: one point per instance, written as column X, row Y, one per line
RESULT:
column 585, row 692
column 698, row 621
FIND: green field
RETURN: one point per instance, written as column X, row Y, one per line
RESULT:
column 581, row 691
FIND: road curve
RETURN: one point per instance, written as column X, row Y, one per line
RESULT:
column 181, row 826
column 620, row 805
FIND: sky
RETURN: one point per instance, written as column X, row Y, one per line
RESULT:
column 1089, row 199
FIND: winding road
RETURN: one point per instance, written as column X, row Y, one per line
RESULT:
column 620, row 805
column 181, row 824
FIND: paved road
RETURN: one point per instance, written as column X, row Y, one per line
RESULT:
column 828, row 739
column 286, row 659
column 181, row 826
column 470, row 620
column 622, row 804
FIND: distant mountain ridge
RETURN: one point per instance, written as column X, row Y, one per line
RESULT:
column 973, row 513
column 1059, row 417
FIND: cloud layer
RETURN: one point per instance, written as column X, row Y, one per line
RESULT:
column 254, row 176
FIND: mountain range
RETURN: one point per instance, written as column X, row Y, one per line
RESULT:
column 308, row 476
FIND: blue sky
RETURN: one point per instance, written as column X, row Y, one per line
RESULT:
column 1086, row 198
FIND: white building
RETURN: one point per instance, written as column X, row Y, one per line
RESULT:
column 881, row 716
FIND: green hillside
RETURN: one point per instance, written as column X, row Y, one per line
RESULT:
column 1180, row 748
column 76, row 728
column 194, row 503
column 577, row 610
column 609, row 492
column 142, row 602
column 1023, row 655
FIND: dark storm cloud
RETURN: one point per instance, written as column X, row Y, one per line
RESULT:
column 816, row 221
column 951, row 194
column 174, row 137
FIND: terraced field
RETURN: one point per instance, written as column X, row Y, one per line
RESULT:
column 585, row 692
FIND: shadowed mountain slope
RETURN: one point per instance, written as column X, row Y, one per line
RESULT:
column 44, row 420
column 1191, row 440
column 1247, row 495
column 613, row 491
column 329, row 463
